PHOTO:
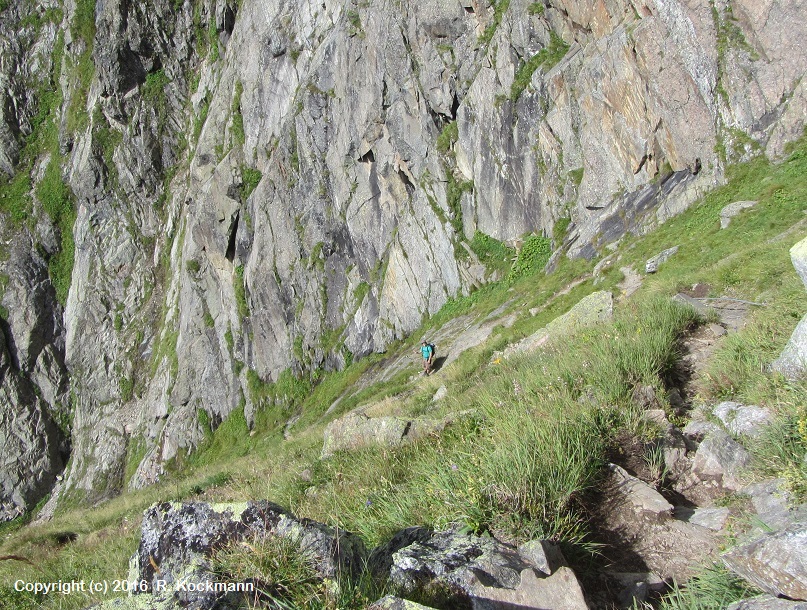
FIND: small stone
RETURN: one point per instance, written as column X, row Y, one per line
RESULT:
column 717, row 330
column 732, row 209
column 441, row 393
column 697, row 429
column 711, row 518
column 639, row 494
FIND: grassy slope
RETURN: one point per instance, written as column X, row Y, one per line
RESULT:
column 519, row 466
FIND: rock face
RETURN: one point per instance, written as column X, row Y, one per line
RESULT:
column 252, row 188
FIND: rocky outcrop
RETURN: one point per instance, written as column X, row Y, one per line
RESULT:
column 179, row 541
column 267, row 188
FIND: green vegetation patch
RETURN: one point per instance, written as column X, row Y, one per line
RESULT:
column 545, row 58
column 533, row 256
column 238, row 119
column 249, row 181
column 499, row 9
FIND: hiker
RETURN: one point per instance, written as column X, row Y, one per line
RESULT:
column 427, row 351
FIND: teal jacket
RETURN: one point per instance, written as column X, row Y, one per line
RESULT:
column 426, row 351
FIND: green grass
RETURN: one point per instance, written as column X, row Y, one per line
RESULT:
column 492, row 253
column 249, row 181
column 447, row 137
column 238, row 119
column 532, row 257
column 714, row 588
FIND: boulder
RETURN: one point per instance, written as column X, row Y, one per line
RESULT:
column 595, row 308
column 652, row 264
column 732, row 209
column 481, row 572
column 720, row 460
column 713, row 518
column 635, row 517
column 178, row 541
column 743, row 420
column 775, row 562
column 697, row 429
column 792, row 362
column 798, row 256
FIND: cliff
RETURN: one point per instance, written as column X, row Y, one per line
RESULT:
column 202, row 195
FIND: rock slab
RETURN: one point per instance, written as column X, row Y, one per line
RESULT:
column 732, row 209
column 595, row 308
column 652, row 265
column 776, row 563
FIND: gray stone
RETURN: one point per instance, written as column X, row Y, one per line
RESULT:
column 644, row 499
column 743, row 420
column 798, row 256
column 767, row 602
column 697, row 429
column 652, row 264
column 717, row 330
column 178, row 540
column 776, row 562
column 478, row 571
column 720, row 460
column 710, row 518
column 774, row 505
column 390, row 602
column 792, row 362
column 732, row 209
column 441, row 393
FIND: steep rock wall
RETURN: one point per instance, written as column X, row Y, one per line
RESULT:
column 268, row 186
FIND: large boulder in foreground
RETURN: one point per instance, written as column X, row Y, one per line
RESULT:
column 450, row 569
column 792, row 362
column 175, row 557
column 776, row 563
